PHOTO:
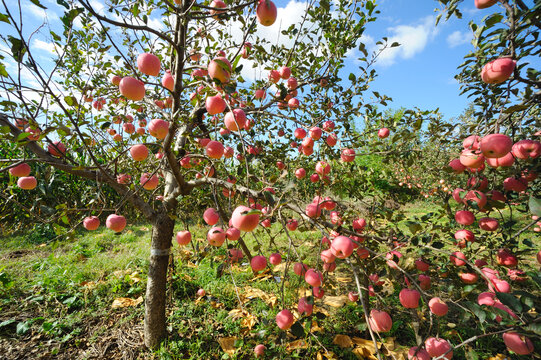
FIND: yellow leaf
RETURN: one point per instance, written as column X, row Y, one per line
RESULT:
column 345, row 279
column 497, row 357
column 316, row 327
column 135, row 277
column 297, row 344
column 387, row 287
column 228, row 344
column 335, row 301
column 125, row 302
column 279, row 268
column 363, row 353
column 342, row 341
column 250, row 293
column 364, row 344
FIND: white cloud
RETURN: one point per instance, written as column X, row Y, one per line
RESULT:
column 412, row 40
column 458, row 38
column 43, row 45
column 40, row 13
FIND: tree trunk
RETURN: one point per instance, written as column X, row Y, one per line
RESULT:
column 162, row 233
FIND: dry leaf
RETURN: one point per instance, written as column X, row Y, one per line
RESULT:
column 345, row 279
column 249, row 293
column 363, row 353
column 365, row 344
column 228, row 344
column 297, row 344
column 247, row 320
column 125, row 302
column 498, row 357
column 217, row 305
column 335, row 301
column 135, row 277
column 343, row 341
column 389, row 344
column 265, row 275
column 387, row 287
column 329, row 355
column 315, row 327
column 320, row 310
column 279, row 268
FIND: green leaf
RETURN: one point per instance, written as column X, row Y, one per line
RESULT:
column 70, row 100
column 38, row 4
column 17, row 48
column 536, row 328
column 297, row 329
column 4, row 18
column 23, row 327
column 3, row 71
column 395, row 44
column 7, row 322
column 535, row 205
column 512, row 302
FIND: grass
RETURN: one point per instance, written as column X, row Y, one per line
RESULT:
column 63, row 291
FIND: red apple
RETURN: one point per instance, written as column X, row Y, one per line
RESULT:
column 184, row 237
column 20, row 170
column 471, row 159
column 91, row 223
column 421, row 354
column 348, row 155
column 139, row 152
column 437, row 347
column 495, row 145
column 27, row 182
column 220, row 69
column 292, row 224
column 380, row 321
column 131, row 88
column 458, row 258
column 526, row 149
column 517, row 343
column 235, row 120
column 216, row 236
column 488, row 224
column 215, row 104
column 383, row 133
column 438, row 307
column 284, row 319
column 259, row 350
column 114, row 222
column 148, row 64
column 275, row 259
column 266, row 12
column 313, row 277
column 149, row 181
column 498, row 70
column 258, row 263
column 243, row 219
column 457, row 166
column 211, row 216
column 471, row 142
column 483, row 4
column 342, row 247
column 409, row 298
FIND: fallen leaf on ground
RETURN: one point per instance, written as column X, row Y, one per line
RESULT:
column 345, row 279
column 247, row 321
column 228, row 344
column 365, row 344
column 335, row 301
column 343, row 341
column 297, row 344
column 498, row 357
column 248, row 293
column 135, row 277
column 126, row 302
column 328, row 355
column 315, row 327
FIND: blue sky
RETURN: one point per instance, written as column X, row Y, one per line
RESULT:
column 418, row 73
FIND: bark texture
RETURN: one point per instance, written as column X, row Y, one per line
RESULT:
column 155, row 299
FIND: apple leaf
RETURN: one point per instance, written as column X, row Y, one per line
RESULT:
column 509, row 300
column 535, row 206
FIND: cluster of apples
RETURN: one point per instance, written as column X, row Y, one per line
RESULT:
column 266, row 11
column 315, row 133
column 290, row 100
column 22, row 172
column 114, row 222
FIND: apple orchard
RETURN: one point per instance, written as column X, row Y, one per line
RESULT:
column 165, row 124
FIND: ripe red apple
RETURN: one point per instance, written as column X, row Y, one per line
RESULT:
column 495, row 145
column 477, row 197
column 380, row 321
column 216, row 236
column 91, row 223
column 468, row 278
column 275, row 259
column 215, row 104
column 500, row 285
column 498, row 70
column 383, row 133
column 293, row 103
column 220, row 69
column 517, row 343
column 131, row 88
column 299, row 133
column 243, row 220
column 331, row 139
column 465, row 235
column 292, row 224
column 184, row 237
column 315, row 133
column 139, row 152
column 211, row 216
column 258, row 263
column 215, row 149
column 409, row 298
column 506, row 258
column 313, row 277
column 323, row 168
column 149, row 181
column 201, row 292
column 20, row 170
column 266, row 12
column 513, row 184
column 457, row 166
column 149, row 64
column 259, row 350
column 284, row 319
column 488, row 224
column 504, row 161
column 313, row 210
column 483, row 4
column 471, row 142
column 56, row 148
column 235, row 120
column 458, row 258
column 464, row 217
column 305, row 307
column 285, row 72
column 421, row 265
column 114, row 222
column 158, row 128
column 300, row 269
column 424, row 282
column 342, row 247
column 421, row 354
column 437, row 347
column 348, row 155
column 471, row 159
column 438, row 307
column 525, row 149
column 218, row 4
column 27, row 182
column 486, row 298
